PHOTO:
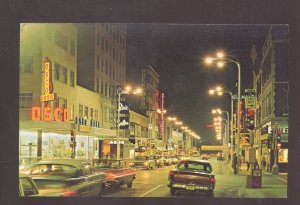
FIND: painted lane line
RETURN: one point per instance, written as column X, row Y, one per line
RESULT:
column 150, row 190
column 281, row 179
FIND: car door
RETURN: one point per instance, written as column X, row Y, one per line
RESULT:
column 27, row 187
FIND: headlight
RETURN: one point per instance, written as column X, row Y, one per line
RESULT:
column 145, row 163
column 131, row 164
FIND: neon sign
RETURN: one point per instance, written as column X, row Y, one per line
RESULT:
column 58, row 115
column 47, row 84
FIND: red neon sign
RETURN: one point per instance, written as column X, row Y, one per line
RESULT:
column 58, row 115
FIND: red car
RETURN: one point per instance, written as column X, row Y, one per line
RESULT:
column 117, row 172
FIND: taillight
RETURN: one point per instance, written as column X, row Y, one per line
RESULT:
column 171, row 174
column 212, row 179
column 70, row 194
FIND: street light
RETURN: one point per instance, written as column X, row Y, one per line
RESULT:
column 221, row 57
column 121, row 91
column 219, row 90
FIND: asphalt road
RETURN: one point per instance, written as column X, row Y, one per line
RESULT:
column 153, row 183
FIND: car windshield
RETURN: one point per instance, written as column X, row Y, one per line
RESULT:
column 106, row 164
column 54, row 170
column 195, row 166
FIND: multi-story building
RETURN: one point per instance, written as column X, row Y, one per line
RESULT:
column 52, row 106
column 101, row 68
column 271, row 84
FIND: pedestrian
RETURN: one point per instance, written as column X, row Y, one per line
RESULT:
column 263, row 164
column 234, row 163
column 256, row 166
column 248, row 165
column 229, row 158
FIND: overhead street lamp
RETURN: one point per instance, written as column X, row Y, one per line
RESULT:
column 221, row 59
column 120, row 90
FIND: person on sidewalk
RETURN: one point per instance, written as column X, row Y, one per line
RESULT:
column 234, row 163
column 248, row 165
column 263, row 164
column 256, row 166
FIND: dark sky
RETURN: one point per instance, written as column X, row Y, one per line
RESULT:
column 177, row 51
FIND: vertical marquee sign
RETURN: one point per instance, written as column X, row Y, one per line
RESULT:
column 162, row 108
column 48, row 87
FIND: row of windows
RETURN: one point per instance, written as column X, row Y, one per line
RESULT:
column 109, row 70
column 111, row 50
column 61, row 40
column 26, row 101
column 89, row 113
column 26, row 64
column 117, row 36
column 105, row 89
column 61, row 74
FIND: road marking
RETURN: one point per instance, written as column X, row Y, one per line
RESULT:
column 151, row 190
column 281, row 179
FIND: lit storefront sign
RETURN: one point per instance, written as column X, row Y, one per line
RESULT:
column 47, row 114
column 49, row 95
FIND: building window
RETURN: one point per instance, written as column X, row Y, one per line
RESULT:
column 114, row 73
column 102, row 86
column 72, row 78
column 56, row 74
column 106, row 68
column 98, row 39
column 92, row 113
column 110, row 70
column 106, row 45
column 26, row 64
column 61, row 40
column 64, row 75
column 97, row 86
column 72, row 47
column 80, row 110
column 102, row 42
column 98, row 62
column 63, row 103
column 95, row 114
column 107, row 114
column 86, row 112
column 25, row 100
column 105, row 90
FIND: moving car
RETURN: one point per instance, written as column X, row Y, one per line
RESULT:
column 117, row 172
column 27, row 187
column 192, row 176
column 144, row 162
column 67, row 178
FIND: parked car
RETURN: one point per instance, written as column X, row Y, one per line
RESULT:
column 117, row 172
column 67, row 178
column 158, row 161
column 143, row 162
column 174, row 160
column 204, row 157
column 193, row 176
column 166, row 160
column 27, row 186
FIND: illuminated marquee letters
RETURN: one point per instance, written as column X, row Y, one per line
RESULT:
column 59, row 114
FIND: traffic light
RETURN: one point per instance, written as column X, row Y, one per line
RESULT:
column 73, row 142
column 278, row 137
column 250, row 119
column 132, row 139
column 270, row 140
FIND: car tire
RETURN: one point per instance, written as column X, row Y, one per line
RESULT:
column 210, row 194
column 172, row 191
column 129, row 185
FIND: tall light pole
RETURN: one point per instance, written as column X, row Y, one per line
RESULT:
column 221, row 61
column 121, row 91
column 219, row 91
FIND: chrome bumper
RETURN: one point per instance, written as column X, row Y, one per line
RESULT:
column 191, row 187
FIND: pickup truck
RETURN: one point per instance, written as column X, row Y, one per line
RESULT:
column 192, row 176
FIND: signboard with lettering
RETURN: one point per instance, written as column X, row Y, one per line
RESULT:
column 143, row 104
column 48, row 86
column 250, row 102
column 123, row 107
column 48, row 114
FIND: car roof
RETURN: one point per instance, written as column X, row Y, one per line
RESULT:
column 71, row 162
column 195, row 160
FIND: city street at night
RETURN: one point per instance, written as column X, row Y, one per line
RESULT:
column 153, row 110
column 153, row 183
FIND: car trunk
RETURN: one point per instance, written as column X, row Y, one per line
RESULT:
column 192, row 177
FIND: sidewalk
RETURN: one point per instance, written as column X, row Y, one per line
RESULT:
column 272, row 187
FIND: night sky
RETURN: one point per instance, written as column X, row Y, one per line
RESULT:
column 176, row 52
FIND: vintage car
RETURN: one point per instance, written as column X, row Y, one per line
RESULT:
column 143, row 162
column 192, row 176
column 117, row 172
column 174, row 160
column 204, row 156
column 158, row 161
column 67, row 178
column 166, row 160
column 27, row 186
